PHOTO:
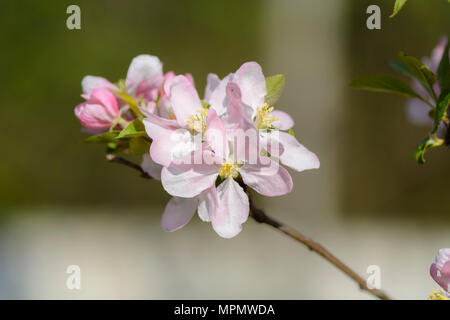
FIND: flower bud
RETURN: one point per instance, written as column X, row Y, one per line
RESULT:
column 440, row 269
column 99, row 111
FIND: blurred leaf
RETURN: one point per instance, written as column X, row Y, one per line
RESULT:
column 133, row 129
column 397, row 7
column 274, row 87
column 382, row 83
column 291, row 132
column 441, row 110
column 398, row 65
column 105, row 137
column 444, row 71
column 420, row 72
column 428, row 143
column 139, row 146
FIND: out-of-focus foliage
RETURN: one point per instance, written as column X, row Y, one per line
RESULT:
column 43, row 160
column 415, row 69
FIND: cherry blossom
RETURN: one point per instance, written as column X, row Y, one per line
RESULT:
column 193, row 184
column 239, row 100
column 100, row 111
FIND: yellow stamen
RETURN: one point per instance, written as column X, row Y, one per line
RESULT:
column 438, row 295
column 264, row 119
column 197, row 122
column 229, row 170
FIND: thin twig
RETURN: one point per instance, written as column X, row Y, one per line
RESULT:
column 120, row 160
column 261, row 217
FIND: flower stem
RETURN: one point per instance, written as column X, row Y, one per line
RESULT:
column 261, row 217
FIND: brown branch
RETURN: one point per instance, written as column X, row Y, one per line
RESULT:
column 261, row 217
column 120, row 160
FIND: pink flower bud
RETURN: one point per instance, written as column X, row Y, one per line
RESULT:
column 99, row 111
column 440, row 270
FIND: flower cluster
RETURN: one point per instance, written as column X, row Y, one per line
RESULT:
column 206, row 152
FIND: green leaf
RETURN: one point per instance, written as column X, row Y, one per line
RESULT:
column 444, row 71
column 133, row 129
column 397, row 7
column 105, row 137
column 291, row 132
column 139, row 146
column 441, row 110
column 130, row 101
column 398, row 65
column 274, row 87
column 420, row 72
column 428, row 143
column 382, row 83
column 205, row 105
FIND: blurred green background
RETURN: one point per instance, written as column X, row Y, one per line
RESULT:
column 44, row 161
column 379, row 177
column 370, row 203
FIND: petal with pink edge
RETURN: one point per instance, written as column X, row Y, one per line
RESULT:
column 184, row 99
column 178, row 212
column 212, row 82
column 232, row 211
column 269, row 179
column 93, row 116
column 90, row 83
column 284, row 121
column 295, row 155
column 144, row 71
column 216, row 134
column 440, row 277
column 107, row 99
column 218, row 97
column 155, row 125
column 208, row 203
column 188, row 180
column 252, row 83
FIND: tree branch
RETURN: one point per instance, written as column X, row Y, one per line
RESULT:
column 120, row 160
column 261, row 217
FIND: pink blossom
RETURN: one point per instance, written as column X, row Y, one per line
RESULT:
column 163, row 107
column 239, row 100
column 99, row 112
column 440, row 269
column 144, row 77
column 193, row 184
